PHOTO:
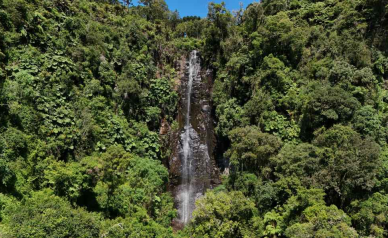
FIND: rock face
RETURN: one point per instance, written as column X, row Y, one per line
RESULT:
column 192, row 166
column 164, row 128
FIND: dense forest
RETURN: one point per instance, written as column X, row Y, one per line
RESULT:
column 300, row 99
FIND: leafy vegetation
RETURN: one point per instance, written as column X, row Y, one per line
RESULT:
column 300, row 101
column 82, row 98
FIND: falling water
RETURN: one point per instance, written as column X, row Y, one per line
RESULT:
column 186, row 194
column 191, row 156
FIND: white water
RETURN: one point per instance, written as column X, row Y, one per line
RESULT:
column 186, row 196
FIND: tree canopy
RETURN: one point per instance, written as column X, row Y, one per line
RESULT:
column 300, row 106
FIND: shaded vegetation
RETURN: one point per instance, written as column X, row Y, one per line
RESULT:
column 301, row 110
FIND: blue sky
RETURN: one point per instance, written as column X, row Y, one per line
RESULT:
column 199, row 7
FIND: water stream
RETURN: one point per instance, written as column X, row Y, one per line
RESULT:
column 192, row 152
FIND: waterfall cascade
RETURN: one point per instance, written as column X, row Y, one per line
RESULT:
column 193, row 153
column 186, row 193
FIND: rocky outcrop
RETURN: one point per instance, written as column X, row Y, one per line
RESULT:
column 192, row 164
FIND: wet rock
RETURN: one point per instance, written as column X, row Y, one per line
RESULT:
column 206, row 108
column 192, row 164
column 164, row 128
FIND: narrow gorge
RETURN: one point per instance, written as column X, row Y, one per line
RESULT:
column 192, row 163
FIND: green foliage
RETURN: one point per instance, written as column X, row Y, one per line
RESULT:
column 230, row 115
column 370, row 216
column 125, row 184
column 5, row 201
column 81, row 99
column 351, row 163
column 222, row 215
column 279, row 125
column 258, row 105
column 322, row 221
column 24, row 219
column 300, row 110
column 162, row 95
column 130, row 227
column 219, row 21
column 306, row 215
column 300, row 160
column 66, row 179
column 368, row 122
column 328, row 105
column 276, row 221
column 251, row 149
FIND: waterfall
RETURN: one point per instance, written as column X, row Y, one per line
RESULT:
column 186, row 194
column 191, row 162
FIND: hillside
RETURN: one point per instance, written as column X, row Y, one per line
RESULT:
column 300, row 105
